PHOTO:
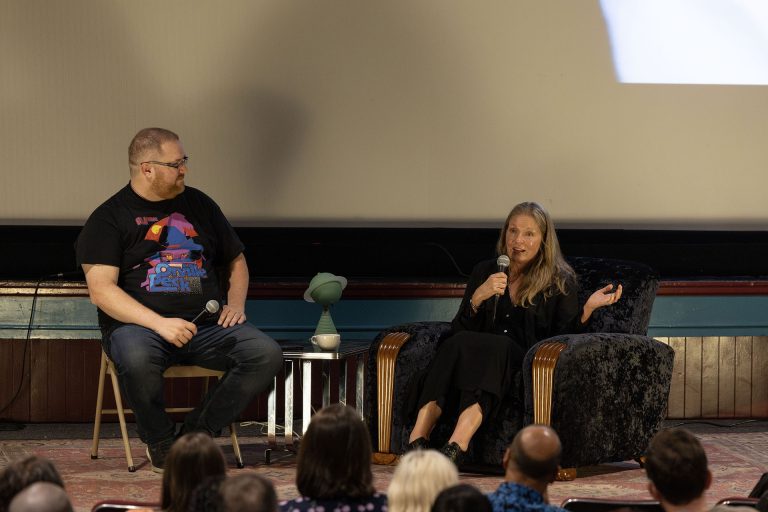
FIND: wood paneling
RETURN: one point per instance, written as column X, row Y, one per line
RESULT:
column 726, row 377
column 719, row 377
column 677, row 388
column 693, row 349
column 760, row 377
column 61, row 379
column 743, row 382
column 710, row 359
column 14, row 379
column 712, row 377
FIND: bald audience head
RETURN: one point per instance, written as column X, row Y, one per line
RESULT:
column 534, row 456
column 41, row 497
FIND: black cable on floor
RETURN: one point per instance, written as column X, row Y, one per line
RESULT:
column 713, row 424
column 7, row 425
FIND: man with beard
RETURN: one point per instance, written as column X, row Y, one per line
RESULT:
column 154, row 255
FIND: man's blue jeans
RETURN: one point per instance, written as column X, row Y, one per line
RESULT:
column 250, row 358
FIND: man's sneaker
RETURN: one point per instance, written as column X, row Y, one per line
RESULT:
column 156, row 453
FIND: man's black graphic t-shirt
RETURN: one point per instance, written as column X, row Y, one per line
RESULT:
column 167, row 251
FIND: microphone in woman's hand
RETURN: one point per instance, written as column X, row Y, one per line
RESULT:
column 211, row 307
column 502, row 262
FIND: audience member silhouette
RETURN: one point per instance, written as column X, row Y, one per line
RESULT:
column 461, row 498
column 206, row 496
column 762, row 503
column 248, row 492
column 418, row 479
column 41, row 497
column 333, row 469
column 531, row 463
column 192, row 458
column 678, row 474
column 22, row 473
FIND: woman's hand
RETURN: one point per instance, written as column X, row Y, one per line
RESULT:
column 496, row 284
column 602, row 297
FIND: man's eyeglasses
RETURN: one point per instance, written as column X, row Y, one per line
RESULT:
column 175, row 165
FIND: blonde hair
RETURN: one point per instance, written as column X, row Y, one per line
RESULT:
column 418, row 479
column 548, row 272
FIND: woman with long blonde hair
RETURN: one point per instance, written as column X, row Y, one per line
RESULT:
column 418, row 479
column 503, row 314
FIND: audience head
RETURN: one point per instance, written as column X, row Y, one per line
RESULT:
column 206, row 496
column 762, row 503
column 41, row 497
column 461, row 498
column 22, row 473
column 676, row 465
column 533, row 456
column 418, row 479
column 335, row 456
column 192, row 458
column 248, row 492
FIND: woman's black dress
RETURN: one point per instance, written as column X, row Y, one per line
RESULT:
column 479, row 361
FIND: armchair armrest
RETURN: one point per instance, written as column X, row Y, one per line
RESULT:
column 396, row 356
column 607, row 392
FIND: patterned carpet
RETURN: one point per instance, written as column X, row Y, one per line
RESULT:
column 737, row 459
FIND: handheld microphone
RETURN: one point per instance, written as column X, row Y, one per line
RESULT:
column 502, row 262
column 211, row 307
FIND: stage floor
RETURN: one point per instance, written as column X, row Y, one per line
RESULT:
column 738, row 455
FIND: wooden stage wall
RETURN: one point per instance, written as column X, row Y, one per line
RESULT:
column 713, row 377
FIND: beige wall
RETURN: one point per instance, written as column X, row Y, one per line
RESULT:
column 435, row 111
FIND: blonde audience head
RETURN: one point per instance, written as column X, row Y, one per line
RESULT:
column 418, row 479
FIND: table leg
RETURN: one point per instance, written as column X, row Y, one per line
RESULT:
column 289, row 403
column 306, row 369
column 360, row 386
column 272, row 414
column 326, row 383
column 343, row 368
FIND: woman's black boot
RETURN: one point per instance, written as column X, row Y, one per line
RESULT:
column 420, row 443
column 454, row 452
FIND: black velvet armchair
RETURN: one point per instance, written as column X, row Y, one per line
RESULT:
column 604, row 391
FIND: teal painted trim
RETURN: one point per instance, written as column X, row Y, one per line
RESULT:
column 733, row 315
column 75, row 317
column 360, row 319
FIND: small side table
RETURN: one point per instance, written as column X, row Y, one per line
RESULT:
column 305, row 352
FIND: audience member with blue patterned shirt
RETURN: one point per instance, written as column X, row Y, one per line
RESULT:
column 531, row 463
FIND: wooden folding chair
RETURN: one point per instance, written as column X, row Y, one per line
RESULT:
column 173, row 372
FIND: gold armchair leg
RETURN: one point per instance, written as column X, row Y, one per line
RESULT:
column 543, row 370
column 385, row 365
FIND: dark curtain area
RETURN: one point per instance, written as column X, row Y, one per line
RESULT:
column 416, row 254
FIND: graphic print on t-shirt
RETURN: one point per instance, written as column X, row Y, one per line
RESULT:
column 178, row 266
